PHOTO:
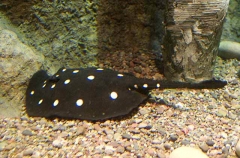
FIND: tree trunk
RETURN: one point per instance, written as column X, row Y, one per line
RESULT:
column 193, row 30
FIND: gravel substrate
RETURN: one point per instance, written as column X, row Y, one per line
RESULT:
column 207, row 119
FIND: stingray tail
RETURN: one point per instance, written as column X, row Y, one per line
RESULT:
column 144, row 85
column 208, row 84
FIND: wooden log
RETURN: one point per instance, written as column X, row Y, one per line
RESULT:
column 193, row 30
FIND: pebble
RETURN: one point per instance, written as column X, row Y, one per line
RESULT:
column 80, row 130
column 210, row 142
column 156, row 141
column 2, row 145
column 185, row 142
column 138, row 121
column 160, row 154
column 224, row 135
column 238, row 148
column 225, row 150
column 173, row 137
column 144, row 111
column 204, row 147
column 28, row 152
column 109, row 150
column 167, row 146
column 144, row 125
column 160, row 109
column 120, row 149
column 58, row 143
column 222, row 112
column 151, row 151
column 187, row 152
column 229, row 50
column 117, row 136
column 27, row 132
column 126, row 136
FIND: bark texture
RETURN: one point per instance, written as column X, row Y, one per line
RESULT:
column 193, row 30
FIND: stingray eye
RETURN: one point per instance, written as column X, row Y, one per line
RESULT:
column 54, row 78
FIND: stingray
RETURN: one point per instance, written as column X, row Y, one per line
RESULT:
column 93, row 93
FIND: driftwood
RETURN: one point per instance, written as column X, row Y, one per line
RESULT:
column 193, row 30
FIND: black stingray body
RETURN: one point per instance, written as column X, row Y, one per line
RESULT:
column 92, row 94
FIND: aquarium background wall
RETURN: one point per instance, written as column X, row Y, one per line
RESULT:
column 82, row 33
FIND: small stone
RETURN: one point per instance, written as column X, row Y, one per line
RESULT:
column 222, row 112
column 167, row 146
column 109, row 150
column 151, row 152
column 97, row 127
column 129, row 148
column 160, row 109
column 135, row 146
column 120, row 149
column 161, row 155
column 27, row 132
column 58, row 143
column 229, row 50
column 144, row 125
column 225, row 150
column 190, row 127
column 204, row 147
column 36, row 154
column 138, row 69
column 224, row 135
column 2, row 145
column 28, row 152
column 117, row 136
column 138, row 121
column 126, row 136
column 143, row 111
column 80, row 130
column 179, row 105
column 55, row 128
column 187, row 152
column 185, row 142
column 156, row 141
column 238, row 148
column 210, row 142
column 173, row 137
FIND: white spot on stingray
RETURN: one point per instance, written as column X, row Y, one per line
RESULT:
column 79, row 102
column 99, row 69
column 135, row 86
column 57, row 75
column 158, row 85
column 67, row 81
column 53, row 86
column 32, row 92
column 103, row 113
column 40, row 101
column 145, row 86
column 64, row 70
column 75, row 71
column 120, row 75
column 55, row 103
column 45, row 81
column 114, row 95
column 44, row 86
column 91, row 77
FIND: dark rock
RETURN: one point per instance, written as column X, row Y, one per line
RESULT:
column 210, row 142
column 173, row 137
column 27, row 132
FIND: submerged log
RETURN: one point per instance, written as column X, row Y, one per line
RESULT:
column 193, row 30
